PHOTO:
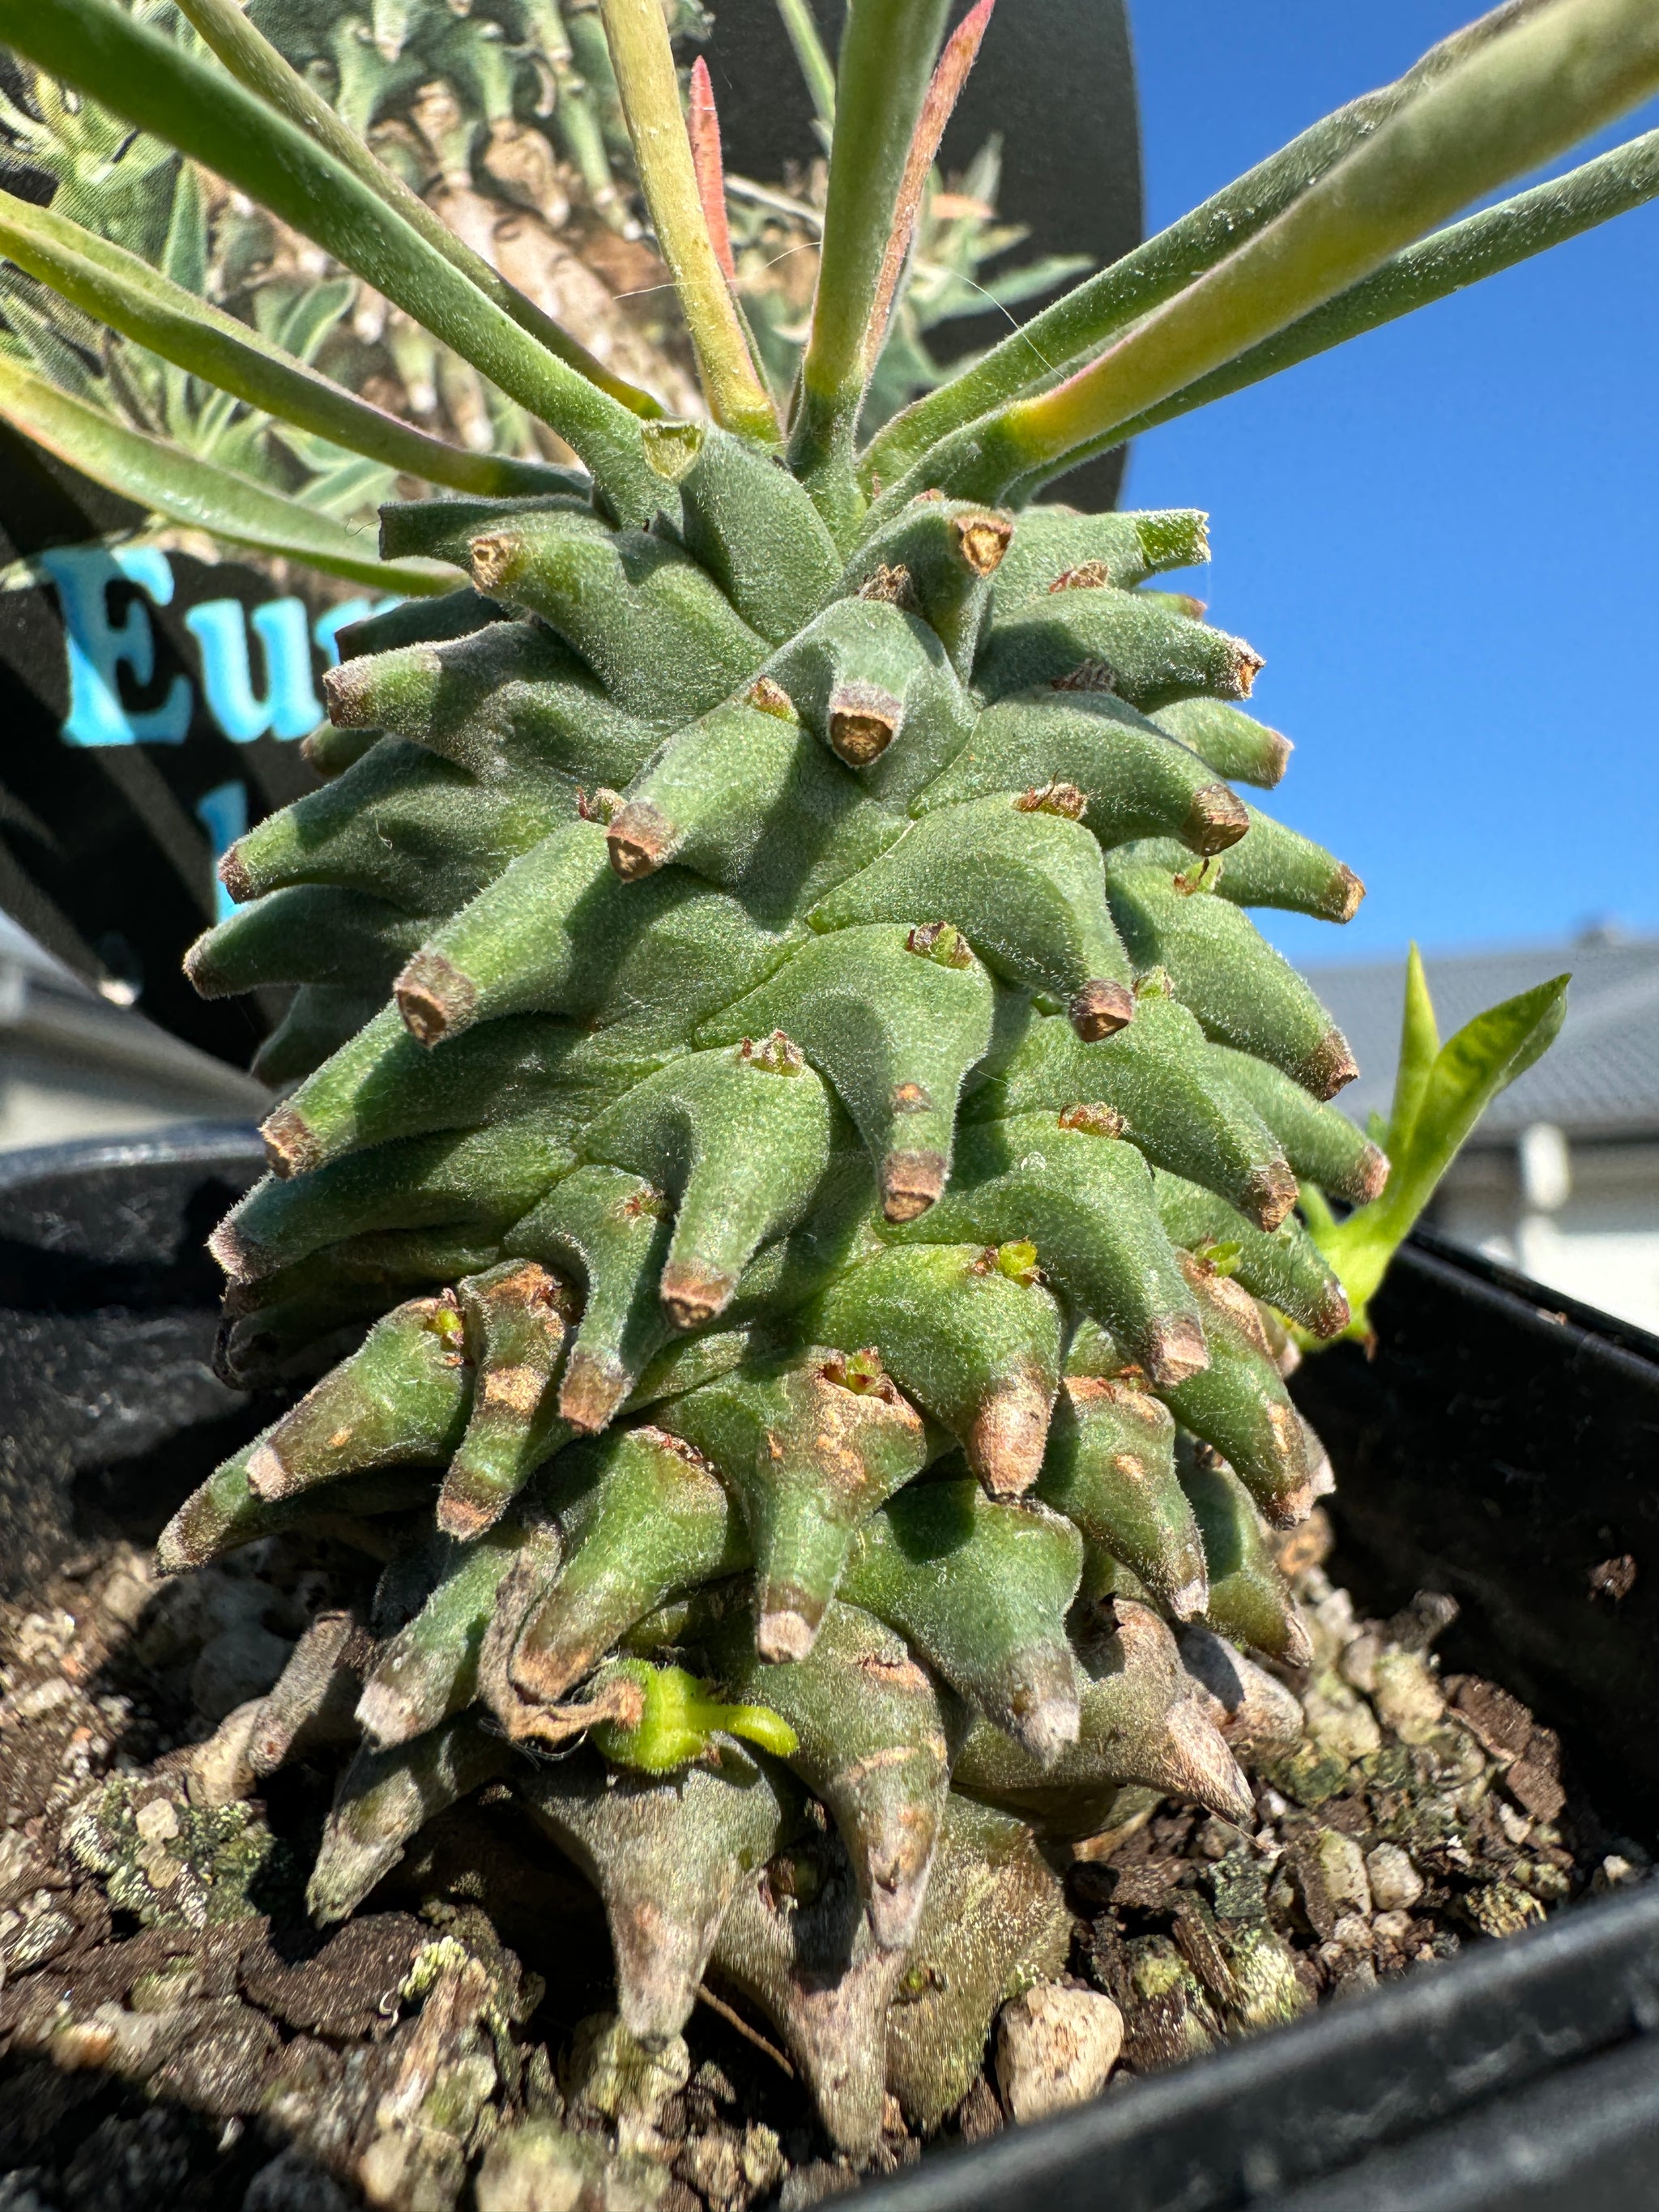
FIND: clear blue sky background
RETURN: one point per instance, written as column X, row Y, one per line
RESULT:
column 1445, row 537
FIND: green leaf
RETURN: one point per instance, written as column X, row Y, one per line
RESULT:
column 887, row 53
column 1529, row 93
column 815, row 65
column 107, row 282
column 46, row 346
column 1470, row 1069
column 1462, row 254
column 1087, row 318
column 1420, row 1041
column 310, row 316
column 1466, row 1074
column 659, row 1719
column 644, row 62
column 185, row 490
column 185, row 257
column 92, row 45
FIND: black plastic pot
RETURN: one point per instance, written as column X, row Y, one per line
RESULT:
column 1500, row 1445
column 107, row 1315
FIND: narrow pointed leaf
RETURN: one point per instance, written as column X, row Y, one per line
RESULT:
column 1469, row 1071
column 1420, row 1042
column 886, row 61
column 1484, row 1057
column 645, row 78
column 1132, row 286
column 704, row 122
column 1517, row 101
column 815, row 64
column 1450, row 261
column 175, row 483
column 951, row 74
column 106, row 282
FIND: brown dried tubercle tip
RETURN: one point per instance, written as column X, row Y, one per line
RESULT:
column 291, row 1146
column 776, row 1054
column 942, row 941
column 1333, row 1313
column 1216, row 818
column 1100, row 1009
column 910, row 1183
column 434, row 997
column 233, row 875
column 1372, row 1179
column 1087, row 576
column 591, row 1390
column 1230, row 1296
column 493, row 559
column 1198, row 1765
column 1063, row 799
column 864, row 720
column 895, row 586
column 268, row 1477
column 640, row 839
column 1094, row 1120
column 346, row 693
column 1342, row 901
column 692, row 1295
column 242, row 1261
column 465, row 1509
column 1329, row 1065
column 787, row 1623
column 1044, row 1712
column 769, row 698
column 1007, row 1436
column 982, row 539
column 323, row 1671
column 1173, row 1349
column 1270, row 1191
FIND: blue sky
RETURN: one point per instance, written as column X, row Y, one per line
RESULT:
column 1445, row 537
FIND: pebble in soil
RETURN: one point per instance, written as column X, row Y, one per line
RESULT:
column 174, row 2034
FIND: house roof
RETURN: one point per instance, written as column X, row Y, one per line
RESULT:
column 1599, row 1078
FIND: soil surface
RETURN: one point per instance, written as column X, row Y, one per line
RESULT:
column 174, row 2033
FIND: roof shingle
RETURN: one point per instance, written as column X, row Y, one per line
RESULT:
column 1599, row 1078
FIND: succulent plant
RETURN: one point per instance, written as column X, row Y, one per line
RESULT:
column 788, row 1166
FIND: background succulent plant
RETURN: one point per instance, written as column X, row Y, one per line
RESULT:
column 505, row 120
column 789, row 1175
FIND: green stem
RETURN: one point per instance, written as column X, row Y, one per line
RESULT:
column 115, row 287
column 1450, row 261
column 644, row 62
column 886, row 61
column 799, row 21
column 1515, row 102
column 1095, row 311
column 167, row 481
column 254, row 62
column 155, row 84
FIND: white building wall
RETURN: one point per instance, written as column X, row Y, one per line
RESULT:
column 1599, row 1242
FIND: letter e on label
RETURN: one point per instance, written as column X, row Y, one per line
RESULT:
column 98, row 649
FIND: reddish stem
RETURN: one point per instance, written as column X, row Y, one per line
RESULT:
column 949, row 74
column 704, row 124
